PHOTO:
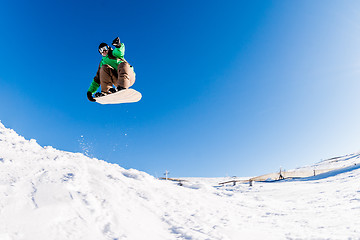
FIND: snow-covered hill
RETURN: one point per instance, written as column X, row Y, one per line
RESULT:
column 50, row 194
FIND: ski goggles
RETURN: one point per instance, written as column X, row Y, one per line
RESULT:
column 103, row 49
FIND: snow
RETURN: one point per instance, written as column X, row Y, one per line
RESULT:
column 50, row 194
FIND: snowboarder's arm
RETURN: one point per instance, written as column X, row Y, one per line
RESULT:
column 119, row 52
column 93, row 87
column 95, row 84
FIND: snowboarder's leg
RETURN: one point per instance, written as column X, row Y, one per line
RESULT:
column 126, row 75
column 107, row 78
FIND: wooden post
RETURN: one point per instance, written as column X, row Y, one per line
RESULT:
column 166, row 174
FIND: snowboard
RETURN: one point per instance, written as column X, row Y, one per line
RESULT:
column 124, row 96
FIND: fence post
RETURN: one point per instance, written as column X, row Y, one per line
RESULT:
column 166, row 174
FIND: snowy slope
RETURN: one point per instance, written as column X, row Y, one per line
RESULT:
column 50, row 194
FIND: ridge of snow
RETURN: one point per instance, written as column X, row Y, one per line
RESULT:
column 51, row 194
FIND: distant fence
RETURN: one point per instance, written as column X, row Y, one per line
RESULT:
column 180, row 181
column 281, row 175
column 289, row 174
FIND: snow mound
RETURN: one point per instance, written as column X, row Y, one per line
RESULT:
column 50, row 194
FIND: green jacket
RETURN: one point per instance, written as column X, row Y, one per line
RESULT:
column 113, row 59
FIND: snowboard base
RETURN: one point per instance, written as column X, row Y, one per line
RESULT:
column 124, row 96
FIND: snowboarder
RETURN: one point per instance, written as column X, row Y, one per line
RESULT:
column 113, row 70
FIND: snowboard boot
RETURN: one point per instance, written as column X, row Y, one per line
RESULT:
column 120, row 88
column 99, row 94
column 112, row 90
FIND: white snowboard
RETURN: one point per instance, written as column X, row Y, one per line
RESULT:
column 123, row 96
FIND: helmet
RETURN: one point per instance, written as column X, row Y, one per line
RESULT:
column 103, row 47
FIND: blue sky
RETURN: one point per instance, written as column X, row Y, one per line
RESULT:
column 235, row 88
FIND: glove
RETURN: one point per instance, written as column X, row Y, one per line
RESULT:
column 116, row 42
column 90, row 97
